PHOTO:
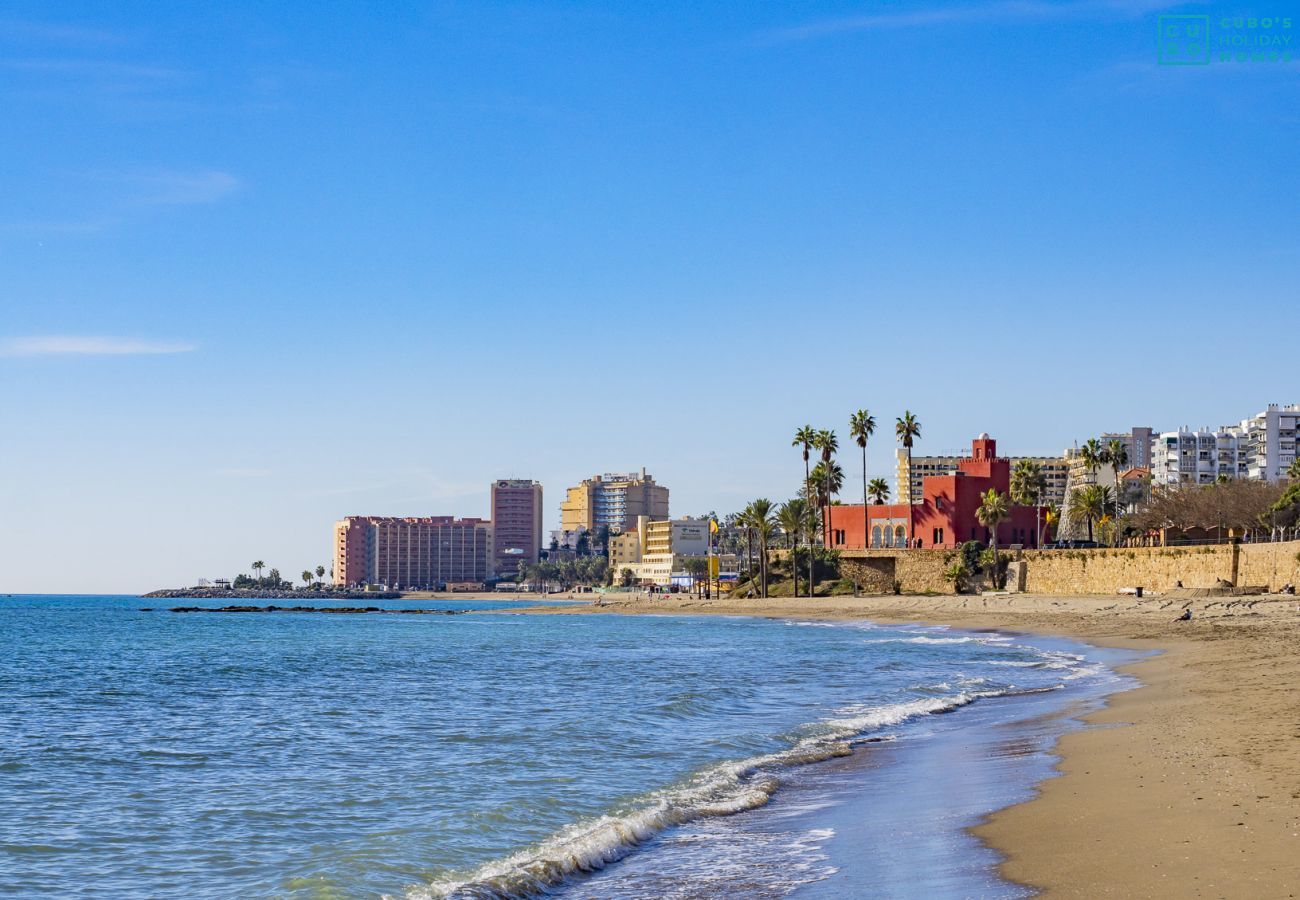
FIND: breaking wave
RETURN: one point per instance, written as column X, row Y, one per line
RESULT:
column 719, row 790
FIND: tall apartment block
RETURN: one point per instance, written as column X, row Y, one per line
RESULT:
column 411, row 553
column 516, row 524
column 1260, row 448
column 1055, row 471
column 1270, row 441
column 615, row 500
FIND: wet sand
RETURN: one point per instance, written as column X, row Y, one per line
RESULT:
column 1188, row 786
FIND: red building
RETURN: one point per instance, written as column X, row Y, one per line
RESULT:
column 945, row 517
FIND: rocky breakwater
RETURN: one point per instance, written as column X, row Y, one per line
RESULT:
column 337, row 610
column 267, row 594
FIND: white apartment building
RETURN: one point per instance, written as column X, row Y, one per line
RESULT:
column 1197, row 457
column 1260, row 448
column 1269, row 441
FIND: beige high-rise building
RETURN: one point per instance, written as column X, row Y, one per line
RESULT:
column 615, row 500
column 1055, row 469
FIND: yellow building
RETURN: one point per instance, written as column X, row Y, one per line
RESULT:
column 613, row 500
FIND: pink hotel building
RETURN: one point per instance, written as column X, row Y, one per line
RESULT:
column 413, row 552
column 427, row 551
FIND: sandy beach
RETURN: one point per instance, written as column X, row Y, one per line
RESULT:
column 1188, row 786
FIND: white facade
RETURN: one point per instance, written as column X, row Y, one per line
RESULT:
column 1197, row 457
column 1260, row 448
column 1269, row 441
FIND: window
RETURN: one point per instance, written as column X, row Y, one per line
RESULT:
column 875, row 536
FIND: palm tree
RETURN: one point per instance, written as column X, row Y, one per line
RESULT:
column 993, row 512
column 258, row 567
column 862, row 425
column 828, row 444
column 827, row 481
column 1027, row 486
column 792, row 517
column 907, row 429
column 879, row 490
column 306, row 577
column 1116, row 454
column 805, row 437
column 1089, row 502
column 320, row 573
column 763, row 522
column 1053, row 516
column 1093, row 456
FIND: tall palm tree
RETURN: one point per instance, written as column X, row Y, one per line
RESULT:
column 907, row 429
column 1089, row 502
column 879, row 490
column 792, row 516
column 1027, row 486
column 1093, row 455
column 805, row 437
column 993, row 512
column 320, row 573
column 258, row 566
column 1116, row 454
column 862, row 425
column 827, row 481
column 306, row 577
column 763, row 522
column 828, row 444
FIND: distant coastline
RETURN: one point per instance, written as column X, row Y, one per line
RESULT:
column 267, row 594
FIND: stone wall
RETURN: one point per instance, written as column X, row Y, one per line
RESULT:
column 1102, row 571
column 919, row 571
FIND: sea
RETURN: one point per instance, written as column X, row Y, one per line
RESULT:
column 492, row 754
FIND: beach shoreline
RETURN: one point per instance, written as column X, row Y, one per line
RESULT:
column 1185, row 786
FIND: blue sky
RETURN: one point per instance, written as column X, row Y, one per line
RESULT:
column 263, row 266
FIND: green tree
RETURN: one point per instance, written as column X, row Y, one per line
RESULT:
column 828, row 445
column 907, row 429
column 862, row 425
column 1293, row 470
column 1090, row 502
column 792, row 517
column 1115, row 455
column 1093, row 455
column 763, row 520
column 320, row 574
column 804, row 438
column 698, row 568
column 626, row 577
column 1027, row 487
column 306, row 577
column 828, row 480
column 879, row 491
column 258, row 566
column 993, row 511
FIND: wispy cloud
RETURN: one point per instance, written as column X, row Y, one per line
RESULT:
column 179, row 188
column 55, row 32
column 72, row 345
column 114, row 198
column 1005, row 11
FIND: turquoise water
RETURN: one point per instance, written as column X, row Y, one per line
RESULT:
column 293, row 755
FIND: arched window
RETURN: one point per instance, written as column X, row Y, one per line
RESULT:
column 900, row 536
column 875, row 536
